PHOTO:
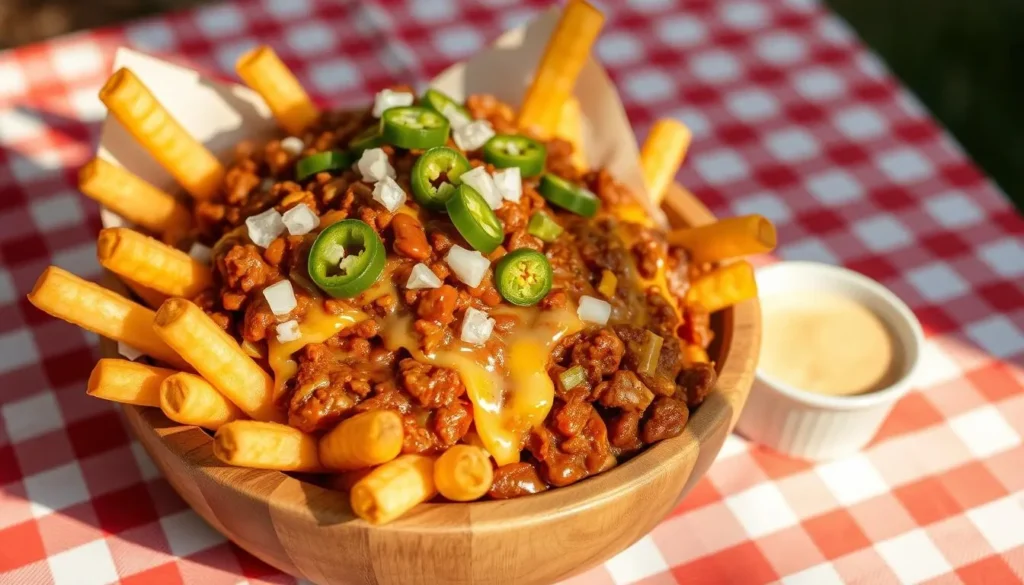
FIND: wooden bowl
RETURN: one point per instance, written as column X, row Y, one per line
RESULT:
column 310, row 532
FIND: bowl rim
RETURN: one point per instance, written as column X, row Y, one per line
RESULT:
column 738, row 342
column 847, row 283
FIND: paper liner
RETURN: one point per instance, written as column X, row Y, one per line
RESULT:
column 222, row 114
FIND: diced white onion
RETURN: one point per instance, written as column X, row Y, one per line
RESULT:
column 476, row 327
column 281, row 297
column 455, row 116
column 473, row 135
column 389, row 193
column 422, row 276
column 373, row 165
column 483, row 183
column 201, row 253
column 265, row 227
column 468, row 266
column 293, row 145
column 594, row 310
column 387, row 99
column 288, row 331
column 334, row 252
column 128, row 352
column 300, row 220
column 509, row 183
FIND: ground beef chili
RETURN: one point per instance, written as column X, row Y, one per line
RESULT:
column 613, row 408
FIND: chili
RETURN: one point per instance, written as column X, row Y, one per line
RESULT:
column 512, row 150
column 569, row 196
column 435, row 174
column 356, row 272
column 414, row 127
column 523, row 277
column 474, row 219
column 331, row 160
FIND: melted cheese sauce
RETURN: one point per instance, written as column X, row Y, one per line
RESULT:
column 317, row 326
column 510, row 388
column 827, row 344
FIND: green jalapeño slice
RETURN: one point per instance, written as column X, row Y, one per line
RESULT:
column 435, row 175
column 474, row 219
column 575, row 198
column 523, row 277
column 321, row 162
column 414, row 127
column 440, row 101
column 512, row 150
column 359, row 268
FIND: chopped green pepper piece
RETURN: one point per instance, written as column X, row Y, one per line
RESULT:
column 544, row 227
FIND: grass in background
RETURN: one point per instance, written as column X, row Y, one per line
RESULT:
column 965, row 60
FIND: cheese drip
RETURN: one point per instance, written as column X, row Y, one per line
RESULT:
column 317, row 327
column 510, row 388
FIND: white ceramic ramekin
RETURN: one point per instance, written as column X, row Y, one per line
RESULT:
column 814, row 426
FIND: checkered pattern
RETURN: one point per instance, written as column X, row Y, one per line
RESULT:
column 792, row 118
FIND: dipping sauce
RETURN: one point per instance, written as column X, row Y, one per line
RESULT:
column 827, row 343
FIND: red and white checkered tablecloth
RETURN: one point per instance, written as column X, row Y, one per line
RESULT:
column 792, row 118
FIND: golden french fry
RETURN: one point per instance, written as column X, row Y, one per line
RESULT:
column 104, row 312
column 394, row 488
column 570, row 129
column 190, row 400
column 127, row 382
column 463, row 473
column 563, row 59
column 189, row 162
column 723, row 287
column 152, row 263
column 217, row 357
column 132, row 198
column 662, row 153
column 726, row 238
column 364, row 440
column 152, row 298
column 265, row 445
column 263, row 71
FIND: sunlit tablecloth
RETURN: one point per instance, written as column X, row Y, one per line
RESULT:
column 792, row 118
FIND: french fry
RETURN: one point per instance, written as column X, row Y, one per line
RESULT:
column 190, row 400
column 152, row 298
column 217, row 357
column 127, row 382
column 662, row 153
column 151, row 263
column 263, row 71
column 102, row 311
column 132, row 198
column 570, row 129
column 189, row 162
column 394, row 488
column 367, row 439
column 723, row 287
column 726, row 238
column 266, row 445
column 463, row 473
column 560, row 66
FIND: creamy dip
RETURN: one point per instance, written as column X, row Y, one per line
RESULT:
column 827, row 343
